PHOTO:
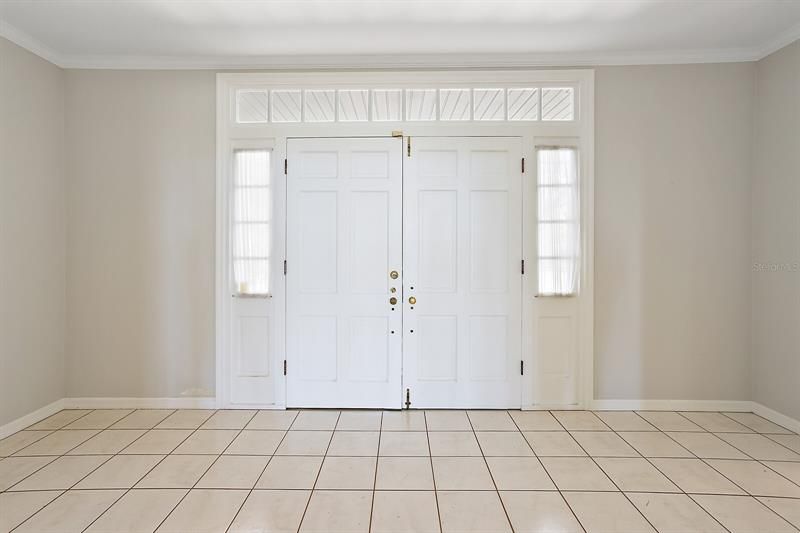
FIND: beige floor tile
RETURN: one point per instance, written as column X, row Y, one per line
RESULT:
column 158, row 442
column 99, row 419
column 177, row 472
column 261, row 442
column 359, row 421
column 16, row 507
column 234, row 472
column 604, row 444
column 305, row 443
column 788, row 509
column 454, row 444
column 790, row 441
column 743, row 514
column 706, row 445
column 338, row 511
column 290, row 473
column 625, row 421
column 70, row 512
column 207, row 441
column 539, row 512
column 229, row 419
column 404, row 444
column 503, row 444
column 669, row 421
column 790, row 470
column 447, row 421
column 553, row 444
column 58, row 442
column 535, row 421
column 651, row 444
column 355, row 473
column 404, row 473
column 186, row 419
column 108, row 442
column 576, row 473
column 472, row 512
column 519, row 473
column 204, row 511
column 491, row 421
column 717, row 423
column 695, row 477
column 635, row 474
column 62, row 473
column 15, row 469
column 277, row 420
column 143, row 419
column 580, row 421
column 315, row 420
column 607, row 512
column 675, row 513
column 757, row 423
column 406, row 511
column 461, row 473
column 403, row 421
column 120, row 472
column 60, row 419
column 18, row 441
column 271, row 511
column 138, row 511
column 756, row 478
column 354, row 443
column 758, row 447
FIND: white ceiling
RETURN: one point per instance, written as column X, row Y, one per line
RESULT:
column 396, row 33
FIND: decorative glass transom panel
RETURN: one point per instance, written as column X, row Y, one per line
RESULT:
column 354, row 105
column 387, row 105
column 421, row 104
column 320, row 106
column 251, row 106
column 489, row 104
column 454, row 104
column 523, row 104
column 286, row 106
column 558, row 103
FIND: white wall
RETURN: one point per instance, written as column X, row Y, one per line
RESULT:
column 776, row 233
column 32, row 236
column 141, row 233
column 672, row 233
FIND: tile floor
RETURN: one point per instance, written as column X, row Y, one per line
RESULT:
column 398, row 471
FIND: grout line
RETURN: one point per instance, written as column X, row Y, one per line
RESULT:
column 321, row 466
column 375, row 478
column 433, row 473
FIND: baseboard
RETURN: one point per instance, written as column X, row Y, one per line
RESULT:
column 673, row 405
column 140, row 403
column 774, row 416
column 31, row 418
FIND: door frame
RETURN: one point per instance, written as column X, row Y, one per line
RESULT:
column 578, row 132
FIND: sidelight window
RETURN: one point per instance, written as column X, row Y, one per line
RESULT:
column 250, row 224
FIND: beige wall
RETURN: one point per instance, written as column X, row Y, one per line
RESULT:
column 672, row 231
column 32, row 236
column 776, row 233
column 140, row 269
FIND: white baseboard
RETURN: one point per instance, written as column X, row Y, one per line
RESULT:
column 774, row 416
column 31, row 418
column 673, row 405
column 140, row 403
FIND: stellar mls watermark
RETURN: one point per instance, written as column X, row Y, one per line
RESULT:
column 777, row 267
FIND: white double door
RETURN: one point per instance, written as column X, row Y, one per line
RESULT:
column 403, row 278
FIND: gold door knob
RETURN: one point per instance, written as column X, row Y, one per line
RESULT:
column 412, row 300
column 393, row 274
column 393, row 300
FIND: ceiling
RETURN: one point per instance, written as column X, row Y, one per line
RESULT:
column 396, row 33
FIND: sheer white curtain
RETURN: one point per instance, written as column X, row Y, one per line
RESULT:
column 250, row 224
column 558, row 221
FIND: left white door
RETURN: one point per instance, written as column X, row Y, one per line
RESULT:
column 344, row 227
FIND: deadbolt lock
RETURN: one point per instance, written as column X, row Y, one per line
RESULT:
column 412, row 300
column 393, row 274
column 393, row 300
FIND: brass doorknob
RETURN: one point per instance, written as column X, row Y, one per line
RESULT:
column 412, row 300
column 393, row 300
column 393, row 274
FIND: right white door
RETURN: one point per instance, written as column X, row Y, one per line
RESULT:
column 462, row 252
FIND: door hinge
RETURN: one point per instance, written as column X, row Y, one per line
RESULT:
column 285, row 166
column 408, row 398
column 284, row 367
column 409, row 146
column 284, row 267
column 522, row 267
column 522, row 368
column 523, row 165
